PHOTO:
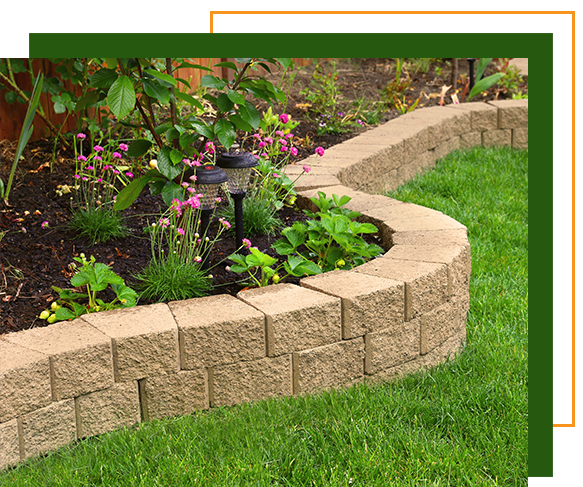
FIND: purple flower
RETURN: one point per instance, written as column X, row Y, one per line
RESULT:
column 81, row 158
column 294, row 151
column 97, row 148
column 85, row 178
column 306, row 169
column 123, row 147
column 99, row 180
column 116, row 155
column 77, row 176
column 319, row 151
column 130, row 174
column 284, row 118
column 44, row 224
column 81, row 136
column 282, row 141
column 115, row 171
column 257, row 136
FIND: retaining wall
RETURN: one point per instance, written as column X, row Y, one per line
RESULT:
column 391, row 316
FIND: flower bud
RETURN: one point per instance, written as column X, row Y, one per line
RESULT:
column 153, row 164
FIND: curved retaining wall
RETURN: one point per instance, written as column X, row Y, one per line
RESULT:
column 391, row 316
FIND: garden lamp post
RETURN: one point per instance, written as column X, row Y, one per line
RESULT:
column 471, row 60
column 208, row 179
column 238, row 168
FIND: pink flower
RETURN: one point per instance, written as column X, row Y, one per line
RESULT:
column 218, row 199
column 116, row 155
column 97, row 148
column 44, row 224
column 319, row 151
column 98, row 158
column 306, row 169
column 77, row 176
column 107, row 167
column 289, row 136
column 275, row 175
column 90, row 168
column 85, row 178
column 269, row 140
column 262, row 144
column 81, row 158
column 198, row 258
column 210, row 147
column 184, row 184
column 226, row 224
column 115, row 171
column 246, row 243
column 99, row 180
column 257, row 136
column 123, row 147
column 130, row 174
column 180, row 231
column 284, row 148
column 284, row 118
column 81, row 136
column 294, row 151
column 164, row 222
column 279, row 133
column 282, row 141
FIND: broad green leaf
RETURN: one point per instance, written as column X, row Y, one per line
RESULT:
column 165, row 164
column 236, row 97
column 210, row 81
column 191, row 65
column 484, row 84
column 283, row 247
column 121, row 97
column 239, row 123
column 126, row 293
column 250, row 114
column 286, row 62
column 482, row 64
column 64, row 314
column 225, row 132
column 187, row 138
column 138, row 148
column 203, row 129
column 294, row 237
column 163, row 127
column 161, row 76
column 129, row 194
column 227, row 64
column 224, row 103
column 88, row 99
column 189, row 99
column 172, row 191
column 10, row 96
column 176, row 156
column 104, row 276
column 155, row 90
column 103, row 78
column 239, row 269
column 243, row 59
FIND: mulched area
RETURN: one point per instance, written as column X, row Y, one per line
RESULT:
column 32, row 258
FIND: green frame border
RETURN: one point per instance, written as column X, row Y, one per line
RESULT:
column 536, row 47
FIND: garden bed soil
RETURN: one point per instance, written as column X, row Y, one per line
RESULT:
column 32, row 258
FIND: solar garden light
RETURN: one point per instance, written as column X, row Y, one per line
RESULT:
column 238, row 167
column 471, row 60
column 208, row 180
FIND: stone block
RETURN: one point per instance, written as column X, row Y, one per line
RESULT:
column 297, row 318
column 369, row 303
column 511, row 113
column 108, row 410
column 251, row 381
column 359, row 200
column 340, row 364
column 440, row 324
column 80, row 356
column 9, row 444
column 25, row 380
column 218, row 330
column 392, row 346
column 48, row 428
column 174, row 394
column 456, row 257
column 483, row 116
column 469, row 140
column 318, row 177
column 426, row 283
column 520, row 138
column 443, row 123
column 453, row 237
column 144, row 340
column 493, row 138
column 447, row 146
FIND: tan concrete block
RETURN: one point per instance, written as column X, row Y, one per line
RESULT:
column 359, row 201
column 251, row 381
column 108, row 410
column 80, row 356
column 144, row 340
column 511, row 113
column 369, row 303
column 333, row 159
column 48, row 428
column 472, row 139
column 174, row 394
column 443, row 123
column 452, row 237
column 440, row 324
column 297, row 318
column 447, row 146
column 218, row 330
column 408, row 217
column 9, row 444
column 425, row 282
column 492, row 138
column 483, row 116
column 25, row 380
column 392, row 346
column 340, row 364
column 456, row 257
column 520, row 138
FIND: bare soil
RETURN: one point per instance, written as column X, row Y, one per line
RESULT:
column 32, row 258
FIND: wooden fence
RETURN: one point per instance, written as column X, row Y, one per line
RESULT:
column 12, row 114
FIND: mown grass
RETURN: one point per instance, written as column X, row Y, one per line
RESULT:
column 463, row 423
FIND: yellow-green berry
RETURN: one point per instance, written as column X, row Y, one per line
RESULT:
column 55, row 306
column 52, row 318
column 44, row 315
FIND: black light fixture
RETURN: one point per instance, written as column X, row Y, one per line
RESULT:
column 208, row 180
column 237, row 166
column 471, row 60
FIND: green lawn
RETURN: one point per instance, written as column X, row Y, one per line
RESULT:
column 463, row 423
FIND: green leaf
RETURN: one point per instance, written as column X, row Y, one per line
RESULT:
column 64, row 314
column 129, row 194
column 294, row 237
column 227, row 64
column 176, row 156
column 10, row 96
column 286, row 62
column 224, row 103
column 161, row 76
column 244, row 60
column 172, row 191
column 225, row 132
column 239, row 123
column 484, row 84
column 126, row 293
column 165, row 164
column 103, row 78
column 88, row 99
column 482, row 64
column 283, row 247
column 210, row 81
column 250, row 114
column 154, row 90
column 121, row 97
column 139, row 148
column 189, row 99
column 236, row 97
column 187, row 139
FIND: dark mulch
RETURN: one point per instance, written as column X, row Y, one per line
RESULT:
column 33, row 259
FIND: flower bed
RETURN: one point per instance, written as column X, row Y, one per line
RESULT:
column 393, row 315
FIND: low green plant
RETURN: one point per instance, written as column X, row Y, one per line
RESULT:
column 420, row 65
column 94, row 277
column 394, row 92
column 97, row 225
column 511, row 79
column 482, row 84
column 259, row 216
column 332, row 238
